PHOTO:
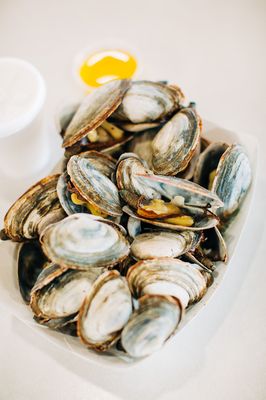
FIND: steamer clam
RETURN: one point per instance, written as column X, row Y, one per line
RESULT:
column 226, row 171
column 59, row 292
column 175, row 144
column 83, row 241
column 76, row 197
column 157, row 244
column 151, row 325
column 94, row 186
column 147, row 101
column 167, row 276
column 38, row 207
column 105, row 311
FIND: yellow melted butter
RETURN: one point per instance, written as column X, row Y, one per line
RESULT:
column 105, row 66
column 90, row 207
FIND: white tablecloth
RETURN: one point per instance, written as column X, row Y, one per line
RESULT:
column 215, row 50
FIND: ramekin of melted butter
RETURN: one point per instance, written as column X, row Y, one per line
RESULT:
column 103, row 66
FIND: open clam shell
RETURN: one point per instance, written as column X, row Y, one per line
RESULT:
column 202, row 220
column 175, row 144
column 147, row 101
column 34, row 210
column 159, row 244
column 94, row 186
column 167, row 276
column 65, row 197
column 103, row 163
column 232, row 180
column 151, row 325
column 128, row 166
column 171, row 187
column 105, row 311
column 59, row 293
column 31, row 261
column 207, row 162
column 82, row 241
column 95, row 108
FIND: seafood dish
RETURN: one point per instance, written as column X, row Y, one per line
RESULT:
column 120, row 245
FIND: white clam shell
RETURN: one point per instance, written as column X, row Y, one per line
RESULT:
column 83, row 241
column 105, row 311
column 151, row 325
column 163, row 244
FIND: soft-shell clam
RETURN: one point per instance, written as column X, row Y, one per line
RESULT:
column 232, row 180
column 151, row 325
column 83, row 241
column 93, row 186
column 157, row 244
column 167, row 276
column 94, row 109
column 105, row 311
column 175, row 144
column 34, row 210
column 226, row 171
column 59, row 293
column 147, row 101
column 129, row 166
column 68, row 198
column 207, row 163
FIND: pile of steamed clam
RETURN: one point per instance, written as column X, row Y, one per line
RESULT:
column 124, row 241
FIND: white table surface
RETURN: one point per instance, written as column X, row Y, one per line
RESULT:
column 215, row 50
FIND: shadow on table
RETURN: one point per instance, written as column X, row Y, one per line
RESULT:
column 156, row 376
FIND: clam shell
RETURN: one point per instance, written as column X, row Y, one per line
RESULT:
column 83, row 241
column 207, row 162
column 31, row 262
column 94, row 109
column 170, row 187
column 175, row 144
column 61, row 292
column 151, row 325
column 65, row 197
column 94, row 186
column 167, row 276
column 105, row 311
column 147, row 101
column 129, row 166
column 34, row 210
column 163, row 244
column 232, row 180
column 203, row 220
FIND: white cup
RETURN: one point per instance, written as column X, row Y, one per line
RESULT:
column 24, row 143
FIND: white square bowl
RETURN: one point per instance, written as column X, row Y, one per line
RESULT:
column 11, row 301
